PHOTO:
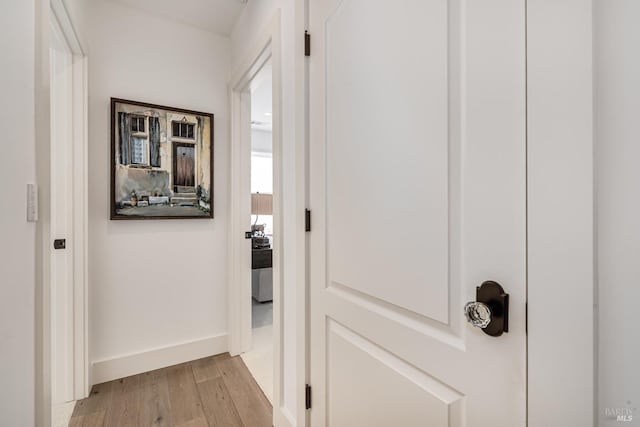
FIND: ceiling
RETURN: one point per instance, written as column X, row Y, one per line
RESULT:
column 216, row 16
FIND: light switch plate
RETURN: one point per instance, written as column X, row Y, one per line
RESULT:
column 32, row 202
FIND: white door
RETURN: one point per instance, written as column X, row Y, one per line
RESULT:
column 62, row 297
column 418, row 195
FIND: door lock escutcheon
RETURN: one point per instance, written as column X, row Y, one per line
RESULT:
column 490, row 310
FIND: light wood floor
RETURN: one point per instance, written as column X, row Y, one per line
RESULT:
column 215, row 391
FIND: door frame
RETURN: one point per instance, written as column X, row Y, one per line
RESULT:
column 561, row 283
column 561, row 214
column 48, row 12
column 268, row 47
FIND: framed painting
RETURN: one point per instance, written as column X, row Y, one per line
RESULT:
column 161, row 162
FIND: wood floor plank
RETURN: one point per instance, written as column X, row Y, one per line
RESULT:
column 186, row 406
column 244, row 371
column 198, row 422
column 210, row 392
column 94, row 419
column 125, row 402
column 99, row 401
column 253, row 407
column 156, row 405
column 218, row 405
column 221, row 356
column 205, row 369
column 76, row 421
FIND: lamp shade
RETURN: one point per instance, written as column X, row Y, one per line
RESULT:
column 261, row 204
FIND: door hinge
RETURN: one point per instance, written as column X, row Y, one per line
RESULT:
column 526, row 318
column 307, row 396
column 307, row 43
column 307, row 220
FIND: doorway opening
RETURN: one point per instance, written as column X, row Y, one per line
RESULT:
column 259, row 359
column 264, row 57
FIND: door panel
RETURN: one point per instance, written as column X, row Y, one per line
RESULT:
column 418, row 192
column 417, row 398
column 376, row 160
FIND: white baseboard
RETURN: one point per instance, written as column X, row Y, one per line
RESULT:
column 132, row 364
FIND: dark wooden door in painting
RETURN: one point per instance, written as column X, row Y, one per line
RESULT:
column 184, row 179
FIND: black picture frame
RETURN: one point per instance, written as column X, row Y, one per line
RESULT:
column 148, row 179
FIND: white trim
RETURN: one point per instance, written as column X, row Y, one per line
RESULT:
column 560, row 221
column 149, row 360
column 239, row 208
column 64, row 20
column 61, row 414
column 269, row 46
column 279, row 254
column 80, row 228
column 301, row 123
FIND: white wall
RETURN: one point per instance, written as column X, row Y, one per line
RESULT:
column 261, row 174
column 253, row 21
column 261, row 141
column 261, row 162
column 17, row 167
column 617, row 67
column 159, row 283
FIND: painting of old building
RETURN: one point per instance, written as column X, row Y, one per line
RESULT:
column 161, row 162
